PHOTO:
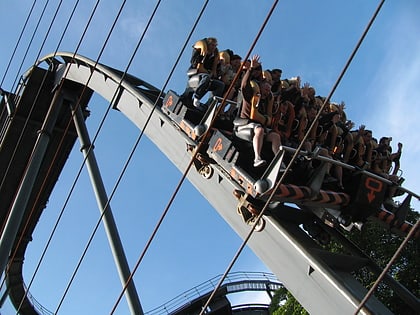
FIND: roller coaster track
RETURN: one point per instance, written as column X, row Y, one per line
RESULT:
column 192, row 300
column 321, row 281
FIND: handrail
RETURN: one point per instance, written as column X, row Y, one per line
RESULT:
column 350, row 167
column 206, row 287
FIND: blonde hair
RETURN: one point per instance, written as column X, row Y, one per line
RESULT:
column 224, row 55
column 267, row 76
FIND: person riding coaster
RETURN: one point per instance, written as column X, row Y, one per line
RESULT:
column 202, row 73
column 255, row 115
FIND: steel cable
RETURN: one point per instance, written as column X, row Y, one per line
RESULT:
column 18, row 42
column 191, row 162
column 165, row 211
column 30, row 43
column 259, row 217
column 20, row 139
column 84, row 161
column 27, row 287
column 387, row 267
column 35, row 99
column 16, row 78
column 94, row 10
column 76, row 106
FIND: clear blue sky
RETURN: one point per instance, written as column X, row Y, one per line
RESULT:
column 312, row 39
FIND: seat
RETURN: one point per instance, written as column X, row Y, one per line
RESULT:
column 242, row 132
column 246, row 134
column 192, row 85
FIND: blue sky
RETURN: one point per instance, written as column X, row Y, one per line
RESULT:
column 312, row 39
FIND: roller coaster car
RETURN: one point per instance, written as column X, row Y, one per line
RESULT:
column 367, row 194
column 302, row 185
column 180, row 108
column 250, row 208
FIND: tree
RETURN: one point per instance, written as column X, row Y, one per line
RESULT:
column 380, row 245
column 283, row 303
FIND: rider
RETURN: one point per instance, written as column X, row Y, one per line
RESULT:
column 204, row 63
column 257, row 108
column 382, row 166
column 283, row 119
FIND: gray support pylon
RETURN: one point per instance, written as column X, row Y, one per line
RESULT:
column 105, row 209
column 20, row 203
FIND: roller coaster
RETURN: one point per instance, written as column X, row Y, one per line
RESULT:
column 302, row 212
column 192, row 300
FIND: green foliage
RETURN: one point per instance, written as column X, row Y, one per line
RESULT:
column 283, row 303
column 380, row 245
column 278, row 298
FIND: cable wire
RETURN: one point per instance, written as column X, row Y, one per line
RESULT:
column 250, row 233
column 36, row 97
column 165, row 211
column 64, row 133
column 98, row 130
column 18, row 42
column 30, row 43
column 32, row 107
column 17, row 75
column 267, row 18
column 197, row 150
column 31, row 110
column 131, row 154
column 20, row 139
column 387, row 267
column 28, row 286
column 86, row 247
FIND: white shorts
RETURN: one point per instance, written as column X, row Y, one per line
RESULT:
column 252, row 125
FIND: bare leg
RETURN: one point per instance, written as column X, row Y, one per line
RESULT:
column 274, row 138
column 257, row 142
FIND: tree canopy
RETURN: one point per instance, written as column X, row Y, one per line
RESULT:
column 380, row 245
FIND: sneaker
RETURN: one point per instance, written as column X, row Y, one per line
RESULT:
column 259, row 162
column 196, row 102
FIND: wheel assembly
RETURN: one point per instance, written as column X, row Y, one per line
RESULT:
column 260, row 224
column 206, row 171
